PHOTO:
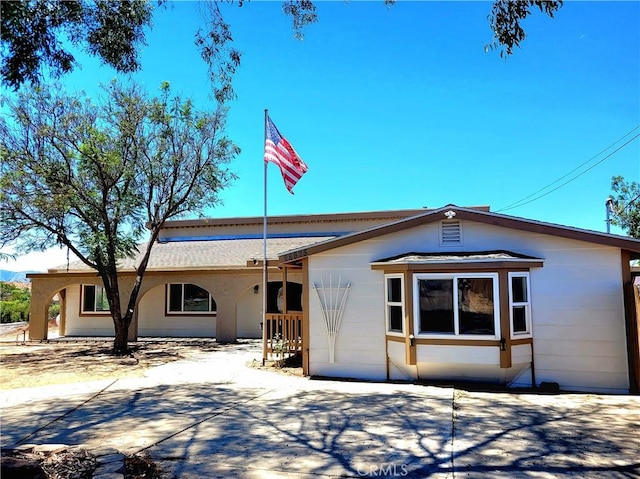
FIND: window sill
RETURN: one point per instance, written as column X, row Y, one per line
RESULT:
column 470, row 337
column 399, row 334
column 515, row 337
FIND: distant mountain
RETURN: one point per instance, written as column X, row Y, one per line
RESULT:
column 15, row 276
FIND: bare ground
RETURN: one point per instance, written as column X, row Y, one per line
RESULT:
column 31, row 364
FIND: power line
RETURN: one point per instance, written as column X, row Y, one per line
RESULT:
column 522, row 201
column 629, row 203
column 569, row 181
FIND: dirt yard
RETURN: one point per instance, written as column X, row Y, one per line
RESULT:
column 31, row 364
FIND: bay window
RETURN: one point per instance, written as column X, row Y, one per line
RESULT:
column 460, row 305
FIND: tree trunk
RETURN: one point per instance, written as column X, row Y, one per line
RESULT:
column 121, row 340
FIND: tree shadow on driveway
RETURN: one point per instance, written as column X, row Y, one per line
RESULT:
column 524, row 435
column 343, row 429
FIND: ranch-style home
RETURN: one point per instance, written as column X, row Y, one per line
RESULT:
column 448, row 294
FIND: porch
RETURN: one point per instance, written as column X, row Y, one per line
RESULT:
column 282, row 335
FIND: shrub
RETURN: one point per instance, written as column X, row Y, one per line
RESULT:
column 54, row 310
column 14, row 311
column 14, row 303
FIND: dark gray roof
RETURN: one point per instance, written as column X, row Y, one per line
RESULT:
column 482, row 256
column 221, row 254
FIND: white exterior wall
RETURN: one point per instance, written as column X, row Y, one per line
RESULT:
column 86, row 325
column 360, row 343
column 152, row 320
column 469, row 363
column 250, row 314
column 577, row 308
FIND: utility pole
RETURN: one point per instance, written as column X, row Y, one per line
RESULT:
column 608, row 204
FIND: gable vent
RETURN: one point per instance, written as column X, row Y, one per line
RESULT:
column 450, row 233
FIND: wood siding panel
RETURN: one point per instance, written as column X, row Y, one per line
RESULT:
column 398, row 368
column 576, row 298
column 360, row 343
column 590, row 381
column 458, row 354
column 579, row 364
column 521, row 354
column 556, row 346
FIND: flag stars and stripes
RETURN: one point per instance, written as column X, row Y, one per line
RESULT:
column 279, row 151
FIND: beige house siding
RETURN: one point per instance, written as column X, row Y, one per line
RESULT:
column 153, row 320
column 85, row 325
column 238, row 315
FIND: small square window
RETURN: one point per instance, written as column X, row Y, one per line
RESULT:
column 394, row 290
column 395, row 319
column 519, row 289
column 94, row 299
column 519, row 319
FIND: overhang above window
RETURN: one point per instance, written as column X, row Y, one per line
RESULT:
column 457, row 261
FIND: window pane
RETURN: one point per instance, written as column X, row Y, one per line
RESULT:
column 195, row 298
column 395, row 318
column 394, row 290
column 175, row 297
column 519, row 289
column 102, row 304
column 519, row 314
column 89, row 303
column 475, row 306
column 436, row 305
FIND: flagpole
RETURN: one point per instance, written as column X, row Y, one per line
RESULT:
column 264, row 254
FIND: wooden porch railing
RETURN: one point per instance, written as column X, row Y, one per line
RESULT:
column 282, row 335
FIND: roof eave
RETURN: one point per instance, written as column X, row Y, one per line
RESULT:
column 629, row 244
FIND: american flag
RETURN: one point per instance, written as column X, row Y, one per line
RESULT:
column 279, row 151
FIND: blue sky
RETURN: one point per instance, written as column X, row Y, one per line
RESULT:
column 401, row 107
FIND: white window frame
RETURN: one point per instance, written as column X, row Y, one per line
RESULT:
column 456, row 321
column 182, row 312
column 527, row 306
column 83, row 297
column 388, row 303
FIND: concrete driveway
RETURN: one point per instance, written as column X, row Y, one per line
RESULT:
column 215, row 417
